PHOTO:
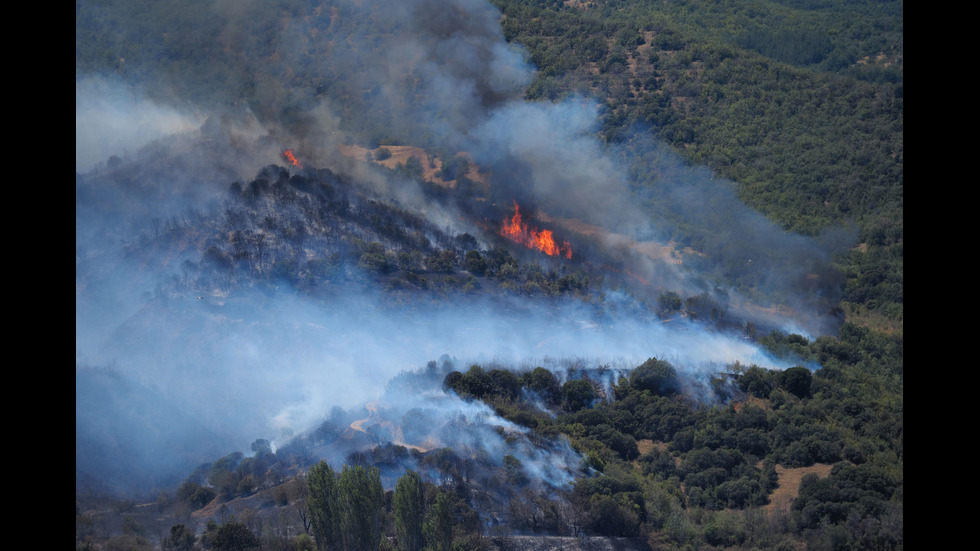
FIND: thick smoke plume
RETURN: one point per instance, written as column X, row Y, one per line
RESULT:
column 158, row 156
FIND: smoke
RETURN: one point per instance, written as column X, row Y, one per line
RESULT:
column 415, row 413
column 261, row 364
column 267, row 366
column 113, row 119
column 269, row 363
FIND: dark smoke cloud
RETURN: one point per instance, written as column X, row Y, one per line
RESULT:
column 254, row 365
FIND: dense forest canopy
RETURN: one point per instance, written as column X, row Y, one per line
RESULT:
column 290, row 225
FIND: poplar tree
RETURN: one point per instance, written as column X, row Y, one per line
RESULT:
column 322, row 502
column 439, row 524
column 409, row 504
column 360, row 497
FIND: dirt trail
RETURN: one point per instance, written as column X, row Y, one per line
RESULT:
column 374, row 417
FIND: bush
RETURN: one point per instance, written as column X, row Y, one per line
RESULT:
column 234, row 536
column 796, row 380
column 657, row 376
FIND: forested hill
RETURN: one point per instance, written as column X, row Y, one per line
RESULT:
column 465, row 274
column 797, row 103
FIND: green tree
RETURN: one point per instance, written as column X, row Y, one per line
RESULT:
column 757, row 380
column 304, row 542
column 578, row 394
column 453, row 381
column 475, row 263
column 504, row 383
column 195, row 495
column 544, row 383
column 181, row 539
column 261, row 446
column 657, row 376
column 476, row 381
column 439, row 524
column 234, row 536
column 614, row 516
column 797, row 380
column 224, row 475
column 669, row 303
column 360, row 497
column 442, row 261
column 863, row 499
column 323, row 506
column 409, row 505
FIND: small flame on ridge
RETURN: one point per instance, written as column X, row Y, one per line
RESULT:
column 288, row 155
column 544, row 240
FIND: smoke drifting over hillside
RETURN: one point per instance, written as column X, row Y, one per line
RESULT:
column 270, row 363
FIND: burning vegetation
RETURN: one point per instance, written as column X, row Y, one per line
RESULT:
column 311, row 288
column 520, row 232
column 290, row 157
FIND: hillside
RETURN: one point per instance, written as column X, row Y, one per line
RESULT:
column 382, row 280
column 520, row 274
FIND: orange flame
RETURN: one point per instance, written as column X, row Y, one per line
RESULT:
column 516, row 230
column 288, row 155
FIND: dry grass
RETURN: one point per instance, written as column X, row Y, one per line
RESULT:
column 788, row 479
column 400, row 154
column 646, row 445
column 789, row 485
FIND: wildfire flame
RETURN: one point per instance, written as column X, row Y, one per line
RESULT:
column 544, row 240
column 288, row 155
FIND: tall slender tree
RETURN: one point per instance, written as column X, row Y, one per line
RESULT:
column 322, row 503
column 409, row 504
column 360, row 497
column 438, row 525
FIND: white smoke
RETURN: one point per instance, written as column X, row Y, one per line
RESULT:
column 114, row 119
column 254, row 364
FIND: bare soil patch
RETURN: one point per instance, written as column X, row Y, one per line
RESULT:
column 788, row 479
column 789, row 485
column 646, row 445
column 755, row 401
column 400, row 154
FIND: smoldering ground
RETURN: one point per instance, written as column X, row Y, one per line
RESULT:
column 252, row 364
